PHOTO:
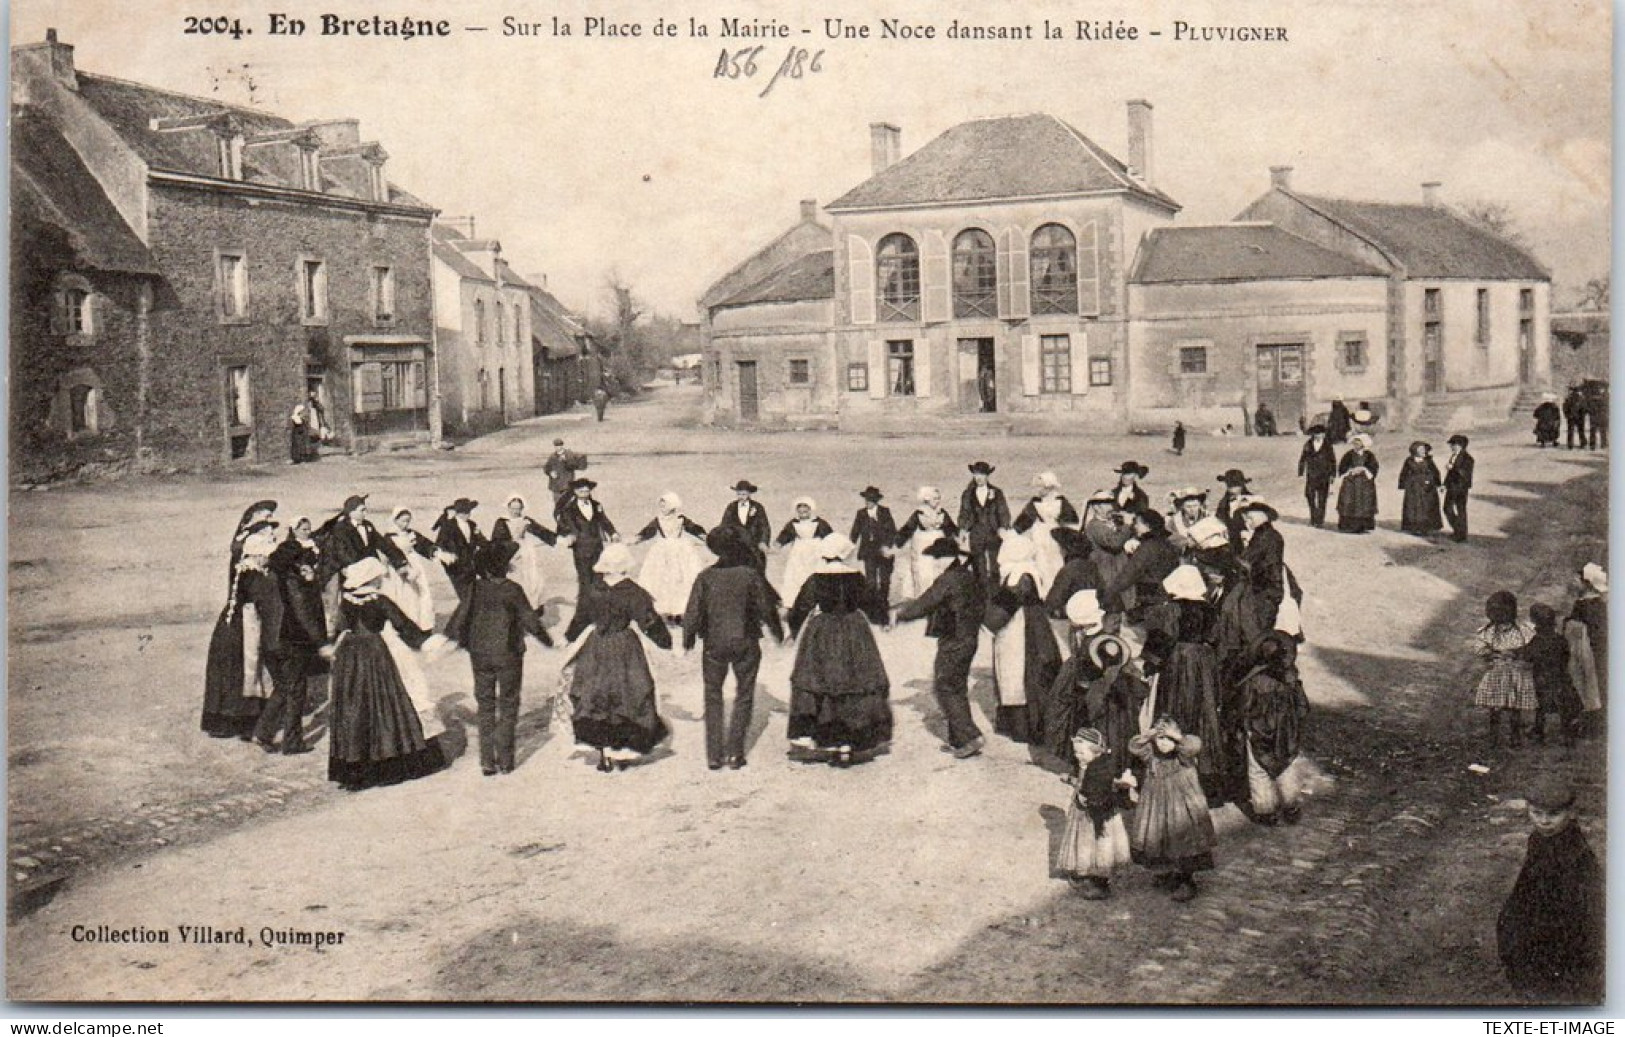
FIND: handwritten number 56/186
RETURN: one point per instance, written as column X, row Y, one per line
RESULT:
column 798, row 62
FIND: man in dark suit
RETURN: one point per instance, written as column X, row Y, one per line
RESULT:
column 954, row 603
column 983, row 515
column 1574, row 416
column 301, row 630
column 561, row 468
column 491, row 624
column 348, row 537
column 727, row 609
column 750, row 519
column 583, row 521
column 458, row 536
column 875, row 534
column 1458, row 479
column 1317, row 465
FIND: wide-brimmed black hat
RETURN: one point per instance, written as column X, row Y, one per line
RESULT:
column 558, row 442
column 1457, row 438
column 1132, row 466
column 871, row 493
column 982, row 467
column 462, row 505
column 728, row 544
column 744, row 486
column 259, row 505
column 495, row 557
column 352, row 502
column 583, row 484
column 945, row 547
column 1316, row 429
column 1234, row 477
column 258, row 527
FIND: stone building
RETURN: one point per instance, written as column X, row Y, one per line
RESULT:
column 202, row 267
column 483, row 327
column 565, row 360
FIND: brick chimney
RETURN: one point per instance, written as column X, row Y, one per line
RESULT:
column 1430, row 194
column 885, row 145
column 809, row 210
column 1281, row 178
column 1139, row 140
column 53, row 57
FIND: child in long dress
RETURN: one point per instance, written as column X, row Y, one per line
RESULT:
column 1094, row 843
column 674, row 560
column 1173, row 832
column 802, row 536
column 1507, row 686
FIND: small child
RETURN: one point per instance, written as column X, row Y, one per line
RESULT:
column 1548, row 655
column 1507, row 686
column 1173, row 832
column 1272, row 707
column 1550, row 933
column 1094, row 842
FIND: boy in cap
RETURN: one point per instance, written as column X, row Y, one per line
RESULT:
column 458, row 536
column 491, row 624
column 875, row 532
column 749, row 518
column 1550, row 933
column 984, row 514
column 1458, row 479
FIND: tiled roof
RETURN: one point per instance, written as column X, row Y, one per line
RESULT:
column 1431, row 241
column 810, row 278
column 1238, row 252
column 1018, row 156
column 51, row 184
column 444, row 242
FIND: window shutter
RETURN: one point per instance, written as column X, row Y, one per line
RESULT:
column 1089, row 270
column 877, row 368
column 1001, row 270
column 369, row 379
column 860, row 278
column 1079, row 346
column 1031, row 372
column 922, row 367
column 1021, row 305
column 936, row 303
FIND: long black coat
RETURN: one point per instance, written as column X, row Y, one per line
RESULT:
column 1550, row 932
column 1419, row 512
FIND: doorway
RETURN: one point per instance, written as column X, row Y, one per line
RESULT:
column 749, row 401
column 987, row 378
column 1432, row 359
column 1280, row 382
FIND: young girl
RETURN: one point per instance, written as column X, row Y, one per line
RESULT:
column 1548, row 655
column 1172, row 830
column 1094, row 842
column 1507, row 685
column 674, row 561
column 802, row 536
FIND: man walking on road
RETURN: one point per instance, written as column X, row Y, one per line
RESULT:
column 600, row 401
column 561, row 468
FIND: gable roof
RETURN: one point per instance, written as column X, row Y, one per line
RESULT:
column 807, row 279
column 51, row 184
column 1429, row 240
column 444, row 242
column 1238, row 252
column 1016, row 156
column 802, row 239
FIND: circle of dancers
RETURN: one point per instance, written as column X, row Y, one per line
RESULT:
column 1149, row 656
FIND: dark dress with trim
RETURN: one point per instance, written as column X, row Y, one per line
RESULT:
column 1357, row 497
column 1420, row 479
column 839, row 690
column 612, row 691
column 227, row 712
column 375, row 735
column 1188, row 690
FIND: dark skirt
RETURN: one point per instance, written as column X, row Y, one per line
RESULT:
column 376, row 737
column 1020, row 723
column 1188, row 691
column 227, row 712
column 1420, row 513
column 839, row 690
column 1357, row 505
column 612, row 694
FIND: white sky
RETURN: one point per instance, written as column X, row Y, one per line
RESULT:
column 583, row 155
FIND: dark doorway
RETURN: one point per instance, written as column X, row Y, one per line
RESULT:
column 749, row 402
column 987, row 379
column 1280, row 382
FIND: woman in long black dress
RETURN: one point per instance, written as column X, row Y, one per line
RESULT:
column 1025, row 654
column 839, row 690
column 1420, row 479
column 1187, row 688
column 259, row 511
column 612, row 691
column 236, row 681
column 1357, row 497
column 376, row 737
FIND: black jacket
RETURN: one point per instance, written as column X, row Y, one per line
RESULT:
column 983, row 521
column 1318, row 467
column 730, row 605
column 344, row 543
column 873, row 534
column 1458, row 473
column 449, row 538
column 953, row 606
column 590, row 533
column 756, row 528
column 492, row 621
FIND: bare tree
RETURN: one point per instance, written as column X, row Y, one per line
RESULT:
column 1495, row 217
column 1594, row 295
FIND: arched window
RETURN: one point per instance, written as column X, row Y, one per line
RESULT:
column 479, row 322
column 897, row 277
column 1054, row 265
column 976, row 278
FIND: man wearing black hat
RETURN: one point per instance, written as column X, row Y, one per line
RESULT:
column 491, row 624
column 728, row 607
column 299, row 632
column 586, row 529
column 457, row 535
column 1458, row 479
column 984, row 514
column 1235, row 485
column 1574, row 415
column 1317, row 465
column 874, row 531
column 955, row 603
column 1129, row 494
column 749, row 519
column 561, row 468
column 348, row 537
